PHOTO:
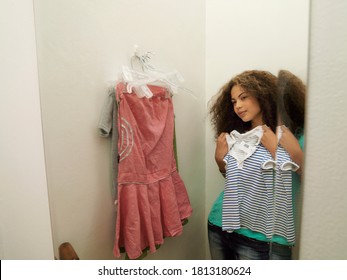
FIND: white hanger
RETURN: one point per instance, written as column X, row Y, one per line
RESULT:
column 140, row 79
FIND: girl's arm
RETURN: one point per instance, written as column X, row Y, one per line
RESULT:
column 289, row 142
column 221, row 151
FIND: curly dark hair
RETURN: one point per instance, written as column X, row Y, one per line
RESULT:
column 260, row 84
column 291, row 101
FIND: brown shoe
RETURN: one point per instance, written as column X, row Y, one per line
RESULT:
column 67, row 252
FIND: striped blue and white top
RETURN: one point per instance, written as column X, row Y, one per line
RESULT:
column 258, row 196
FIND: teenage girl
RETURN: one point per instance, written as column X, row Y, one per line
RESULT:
column 239, row 226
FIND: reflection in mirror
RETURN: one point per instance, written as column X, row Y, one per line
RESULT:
column 81, row 45
column 284, row 60
column 291, row 121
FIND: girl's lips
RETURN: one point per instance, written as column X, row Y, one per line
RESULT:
column 241, row 114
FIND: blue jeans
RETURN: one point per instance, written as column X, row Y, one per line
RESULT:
column 234, row 246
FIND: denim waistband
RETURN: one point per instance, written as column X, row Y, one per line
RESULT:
column 215, row 228
column 243, row 237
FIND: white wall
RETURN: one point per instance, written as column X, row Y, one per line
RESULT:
column 81, row 46
column 243, row 35
column 324, row 223
column 25, row 229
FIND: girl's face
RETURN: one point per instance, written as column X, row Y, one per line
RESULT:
column 246, row 106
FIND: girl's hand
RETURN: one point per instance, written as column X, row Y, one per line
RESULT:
column 289, row 142
column 269, row 140
column 221, row 151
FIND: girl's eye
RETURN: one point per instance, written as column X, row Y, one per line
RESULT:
column 244, row 97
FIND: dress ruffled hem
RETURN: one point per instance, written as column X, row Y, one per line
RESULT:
column 147, row 213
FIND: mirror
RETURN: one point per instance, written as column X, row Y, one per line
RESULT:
column 81, row 47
